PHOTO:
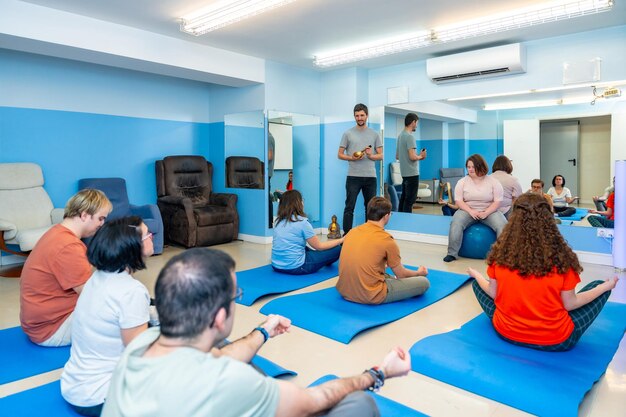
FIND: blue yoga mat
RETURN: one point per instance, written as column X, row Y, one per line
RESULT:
column 387, row 407
column 47, row 399
column 325, row 312
column 551, row 384
column 579, row 215
column 20, row 358
column 270, row 368
column 263, row 280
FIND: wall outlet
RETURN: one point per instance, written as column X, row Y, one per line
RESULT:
column 604, row 232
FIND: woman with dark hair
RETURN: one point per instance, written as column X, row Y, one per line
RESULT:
column 112, row 310
column 501, row 170
column 561, row 197
column 478, row 197
column 292, row 231
column 530, row 297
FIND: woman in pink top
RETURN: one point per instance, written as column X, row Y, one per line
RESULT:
column 479, row 197
column 501, row 170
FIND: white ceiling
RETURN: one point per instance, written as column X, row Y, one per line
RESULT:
column 294, row 33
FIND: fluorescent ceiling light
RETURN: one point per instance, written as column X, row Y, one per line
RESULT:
column 224, row 13
column 536, row 103
column 383, row 48
column 514, row 19
column 543, row 90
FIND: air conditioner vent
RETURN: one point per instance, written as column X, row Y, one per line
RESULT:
column 484, row 63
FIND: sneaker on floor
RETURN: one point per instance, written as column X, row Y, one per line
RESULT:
column 449, row 258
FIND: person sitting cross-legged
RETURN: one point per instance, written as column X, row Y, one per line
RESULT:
column 292, row 232
column 367, row 251
column 530, row 296
column 604, row 218
column 177, row 369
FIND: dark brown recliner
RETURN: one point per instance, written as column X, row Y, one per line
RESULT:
column 244, row 172
column 192, row 214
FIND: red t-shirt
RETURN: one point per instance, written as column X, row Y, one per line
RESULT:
column 57, row 264
column 289, row 186
column 610, row 202
column 530, row 309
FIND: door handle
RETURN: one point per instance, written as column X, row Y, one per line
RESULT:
column 572, row 160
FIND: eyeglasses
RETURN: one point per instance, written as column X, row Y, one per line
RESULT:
column 238, row 295
column 150, row 236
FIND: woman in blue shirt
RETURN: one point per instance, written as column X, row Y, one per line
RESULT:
column 292, row 232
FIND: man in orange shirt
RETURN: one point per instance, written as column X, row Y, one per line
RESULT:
column 57, row 268
column 367, row 250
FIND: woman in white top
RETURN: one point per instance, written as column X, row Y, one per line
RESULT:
column 478, row 197
column 561, row 197
column 501, row 170
column 112, row 309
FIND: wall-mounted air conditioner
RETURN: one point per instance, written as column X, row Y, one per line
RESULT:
column 483, row 63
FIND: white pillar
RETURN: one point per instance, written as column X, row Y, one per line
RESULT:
column 619, row 240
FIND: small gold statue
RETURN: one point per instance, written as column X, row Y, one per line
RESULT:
column 360, row 154
column 334, row 231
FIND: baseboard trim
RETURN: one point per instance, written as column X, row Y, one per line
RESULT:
column 255, row 239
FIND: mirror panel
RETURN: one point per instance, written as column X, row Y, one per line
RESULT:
column 297, row 150
column 451, row 132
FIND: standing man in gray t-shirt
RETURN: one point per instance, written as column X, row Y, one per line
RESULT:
column 361, row 168
column 409, row 163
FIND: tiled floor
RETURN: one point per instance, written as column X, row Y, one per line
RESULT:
column 313, row 356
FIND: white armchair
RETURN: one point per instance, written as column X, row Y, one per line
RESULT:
column 26, row 211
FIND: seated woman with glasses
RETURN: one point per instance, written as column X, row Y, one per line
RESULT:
column 112, row 310
column 292, row 232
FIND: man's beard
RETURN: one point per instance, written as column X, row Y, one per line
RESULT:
column 361, row 122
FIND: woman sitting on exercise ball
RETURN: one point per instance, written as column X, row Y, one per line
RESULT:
column 530, row 297
column 478, row 197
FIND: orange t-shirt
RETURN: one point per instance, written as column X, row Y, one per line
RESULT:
column 57, row 264
column 610, row 202
column 366, row 252
column 530, row 309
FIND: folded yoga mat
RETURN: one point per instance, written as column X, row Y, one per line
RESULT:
column 270, row 368
column 20, row 358
column 579, row 215
column 551, row 384
column 47, row 399
column 325, row 312
column 264, row 280
column 387, row 407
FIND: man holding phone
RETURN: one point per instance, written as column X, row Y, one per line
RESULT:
column 409, row 159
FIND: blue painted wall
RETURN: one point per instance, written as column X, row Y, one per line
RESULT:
column 71, row 145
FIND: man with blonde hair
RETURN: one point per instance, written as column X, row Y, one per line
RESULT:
column 57, row 268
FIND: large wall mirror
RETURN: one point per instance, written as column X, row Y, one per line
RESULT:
column 245, row 153
column 294, row 155
column 572, row 140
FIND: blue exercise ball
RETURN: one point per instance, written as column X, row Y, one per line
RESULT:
column 477, row 240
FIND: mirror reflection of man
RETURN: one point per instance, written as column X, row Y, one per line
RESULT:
column 409, row 159
column 362, row 168
column 271, row 145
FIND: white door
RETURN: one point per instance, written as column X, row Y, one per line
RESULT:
column 521, row 146
column 559, row 152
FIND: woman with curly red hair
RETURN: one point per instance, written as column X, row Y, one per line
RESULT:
column 530, row 297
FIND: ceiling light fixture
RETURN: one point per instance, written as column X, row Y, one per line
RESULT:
column 224, row 13
column 378, row 49
column 515, row 19
column 536, row 103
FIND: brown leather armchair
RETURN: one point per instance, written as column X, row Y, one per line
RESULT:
column 192, row 214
